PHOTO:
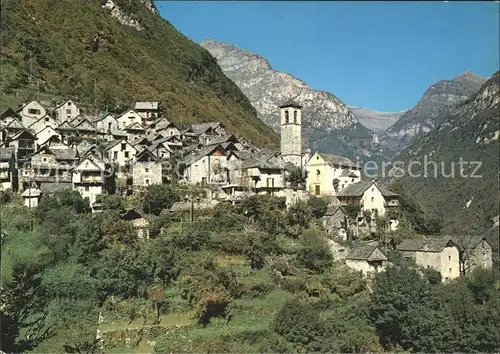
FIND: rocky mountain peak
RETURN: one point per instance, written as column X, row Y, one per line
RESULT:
column 438, row 100
column 327, row 121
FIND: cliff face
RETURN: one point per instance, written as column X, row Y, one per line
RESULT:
column 438, row 101
column 376, row 121
column 110, row 53
column 328, row 124
column 465, row 197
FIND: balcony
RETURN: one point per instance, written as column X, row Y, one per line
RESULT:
column 91, row 180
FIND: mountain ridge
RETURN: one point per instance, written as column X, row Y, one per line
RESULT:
column 113, row 53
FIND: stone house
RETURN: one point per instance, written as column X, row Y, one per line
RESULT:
column 211, row 128
column 50, row 165
column 368, row 259
column 42, row 123
column 106, row 123
column 128, row 118
column 7, row 168
column 66, row 111
column 147, row 110
column 335, row 221
column 146, row 170
column 44, row 135
column 24, row 144
column 139, row 223
column 205, row 166
column 161, row 150
column 67, row 132
column 369, row 196
column 14, row 127
column 31, row 197
column 134, row 131
column 475, row 252
column 329, row 174
column 89, row 178
column 164, row 127
column 31, row 112
column 115, row 134
column 263, row 174
column 121, row 152
column 86, row 129
column 439, row 253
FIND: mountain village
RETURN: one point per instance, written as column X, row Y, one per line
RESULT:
column 48, row 149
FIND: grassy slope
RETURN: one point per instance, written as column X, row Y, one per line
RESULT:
column 157, row 63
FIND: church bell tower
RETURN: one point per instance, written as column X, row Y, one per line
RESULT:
column 291, row 132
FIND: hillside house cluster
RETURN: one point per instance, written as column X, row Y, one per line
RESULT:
column 45, row 149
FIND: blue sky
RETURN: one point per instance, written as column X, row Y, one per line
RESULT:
column 378, row 55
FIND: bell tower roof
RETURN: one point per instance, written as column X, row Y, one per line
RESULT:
column 290, row 104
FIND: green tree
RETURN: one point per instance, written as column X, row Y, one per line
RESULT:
column 22, row 310
column 314, row 254
column 318, row 206
column 159, row 197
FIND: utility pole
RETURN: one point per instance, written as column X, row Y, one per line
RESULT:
column 191, row 209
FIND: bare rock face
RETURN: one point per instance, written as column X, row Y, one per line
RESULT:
column 438, row 101
column 121, row 16
column 328, row 124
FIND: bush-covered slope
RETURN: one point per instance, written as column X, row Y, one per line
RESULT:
column 465, row 199
column 76, row 49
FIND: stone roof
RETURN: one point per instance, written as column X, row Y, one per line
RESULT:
column 65, row 154
column 464, row 242
column 146, row 105
column 367, row 252
column 203, row 127
column 117, row 132
column 15, row 124
column 335, row 160
column 357, row 189
column 224, row 139
column 65, row 126
column 434, row 244
column 262, row 162
column 131, row 214
column 198, row 154
column 290, row 103
column 84, row 147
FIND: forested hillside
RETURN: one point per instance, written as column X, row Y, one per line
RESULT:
column 245, row 279
column 466, row 197
column 68, row 49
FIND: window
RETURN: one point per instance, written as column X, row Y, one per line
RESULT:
column 483, row 264
column 33, row 111
column 126, row 154
column 69, row 104
column 87, row 188
column 295, row 117
column 372, row 199
column 46, row 119
column 318, row 172
column 44, row 159
column 317, row 189
column 373, row 189
column 352, row 179
column 131, row 117
column 449, row 270
column 115, row 155
column 109, row 126
column 449, row 258
column 124, row 146
column 146, row 170
column 287, row 118
column 68, row 111
column 147, row 182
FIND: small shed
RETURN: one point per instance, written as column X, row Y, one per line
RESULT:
column 140, row 224
column 367, row 259
column 31, row 196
